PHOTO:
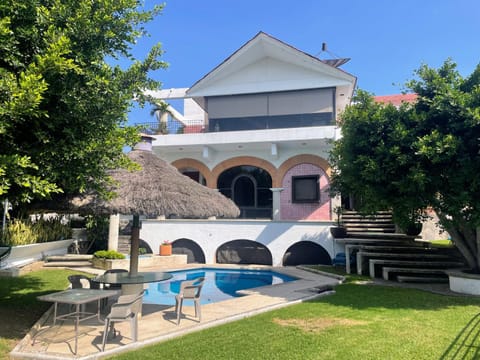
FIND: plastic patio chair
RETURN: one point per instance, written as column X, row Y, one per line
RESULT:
column 126, row 308
column 189, row 290
column 113, row 286
column 80, row 282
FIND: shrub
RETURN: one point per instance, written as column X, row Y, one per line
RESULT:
column 28, row 231
column 97, row 231
column 108, row 254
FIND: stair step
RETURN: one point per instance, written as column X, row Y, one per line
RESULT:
column 381, row 241
column 422, row 279
column 67, row 264
column 386, row 271
column 408, row 264
column 69, row 257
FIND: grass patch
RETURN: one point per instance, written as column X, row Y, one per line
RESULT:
column 19, row 307
column 360, row 321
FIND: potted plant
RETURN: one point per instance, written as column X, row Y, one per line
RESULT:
column 109, row 259
column 338, row 231
column 411, row 224
column 166, row 248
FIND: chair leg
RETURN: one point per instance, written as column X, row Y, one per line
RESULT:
column 105, row 333
column 134, row 328
column 179, row 310
column 198, row 312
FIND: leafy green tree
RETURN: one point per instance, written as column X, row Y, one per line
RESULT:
column 417, row 156
column 63, row 107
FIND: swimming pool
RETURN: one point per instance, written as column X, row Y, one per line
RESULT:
column 220, row 284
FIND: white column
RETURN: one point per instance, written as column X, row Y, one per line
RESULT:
column 113, row 232
column 276, row 203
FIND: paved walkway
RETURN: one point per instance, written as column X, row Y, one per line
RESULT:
column 158, row 322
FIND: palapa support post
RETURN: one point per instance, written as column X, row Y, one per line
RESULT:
column 134, row 245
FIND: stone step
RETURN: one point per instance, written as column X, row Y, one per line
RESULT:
column 403, row 248
column 391, row 248
column 69, row 257
column 68, row 264
column 379, row 214
column 383, row 236
column 379, row 230
column 422, row 279
column 386, row 271
column 368, row 225
column 411, row 264
column 363, row 256
column 381, row 241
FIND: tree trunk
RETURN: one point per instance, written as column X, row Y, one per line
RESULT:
column 464, row 239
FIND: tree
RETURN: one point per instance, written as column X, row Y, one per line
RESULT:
column 413, row 157
column 63, row 108
column 161, row 110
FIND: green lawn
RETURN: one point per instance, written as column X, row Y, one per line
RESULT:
column 19, row 307
column 358, row 322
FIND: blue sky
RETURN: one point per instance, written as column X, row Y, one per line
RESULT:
column 385, row 39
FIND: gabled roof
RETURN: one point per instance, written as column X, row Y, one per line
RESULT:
column 265, row 64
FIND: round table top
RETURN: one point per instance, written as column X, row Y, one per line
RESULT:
column 139, row 278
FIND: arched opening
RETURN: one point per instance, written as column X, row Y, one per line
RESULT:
column 194, row 174
column 143, row 245
column 244, row 190
column 243, row 252
column 306, row 253
column 190, row 248
column 249, row 187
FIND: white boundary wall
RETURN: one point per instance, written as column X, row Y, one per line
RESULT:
column 25, row 254
column 277, row 236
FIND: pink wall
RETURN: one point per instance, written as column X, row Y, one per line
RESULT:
column 310, row 211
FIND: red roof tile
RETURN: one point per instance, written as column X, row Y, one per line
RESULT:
column 396, row 99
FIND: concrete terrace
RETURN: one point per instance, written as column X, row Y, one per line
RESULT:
column 158, row 322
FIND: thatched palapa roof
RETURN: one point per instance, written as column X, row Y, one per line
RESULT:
column 158, row 189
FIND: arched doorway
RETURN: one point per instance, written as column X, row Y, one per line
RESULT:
column 243, row 252
column 306, row 253
column 190, row 248
column 194, row 174
column 249, row 187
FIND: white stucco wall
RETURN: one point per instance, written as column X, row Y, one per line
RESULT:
column 277, row 236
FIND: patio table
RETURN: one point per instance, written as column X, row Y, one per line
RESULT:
column 75, row 297
column 132, row 283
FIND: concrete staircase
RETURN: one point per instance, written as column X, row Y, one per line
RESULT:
column 381, row 252
column 124, row 243
column 381, row 222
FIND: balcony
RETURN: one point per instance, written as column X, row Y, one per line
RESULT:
column 174, row 126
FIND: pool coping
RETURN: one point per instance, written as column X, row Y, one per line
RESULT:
column 310, row 285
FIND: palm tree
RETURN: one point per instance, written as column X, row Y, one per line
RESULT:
column 161, row 111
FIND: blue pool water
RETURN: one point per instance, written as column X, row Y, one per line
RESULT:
column 220, row 284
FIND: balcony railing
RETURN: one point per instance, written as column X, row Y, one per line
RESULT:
column 173, row 126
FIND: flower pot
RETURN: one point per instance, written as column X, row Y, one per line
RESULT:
column 165, row 249
column 338, row 231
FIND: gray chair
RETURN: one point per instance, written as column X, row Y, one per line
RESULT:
column 126, row 308
column 189, row 290
column 113, row 286
column 80, row 282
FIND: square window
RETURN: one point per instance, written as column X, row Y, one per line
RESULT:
column 305, row 189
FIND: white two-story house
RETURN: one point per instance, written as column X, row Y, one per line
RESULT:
column 258, row 128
